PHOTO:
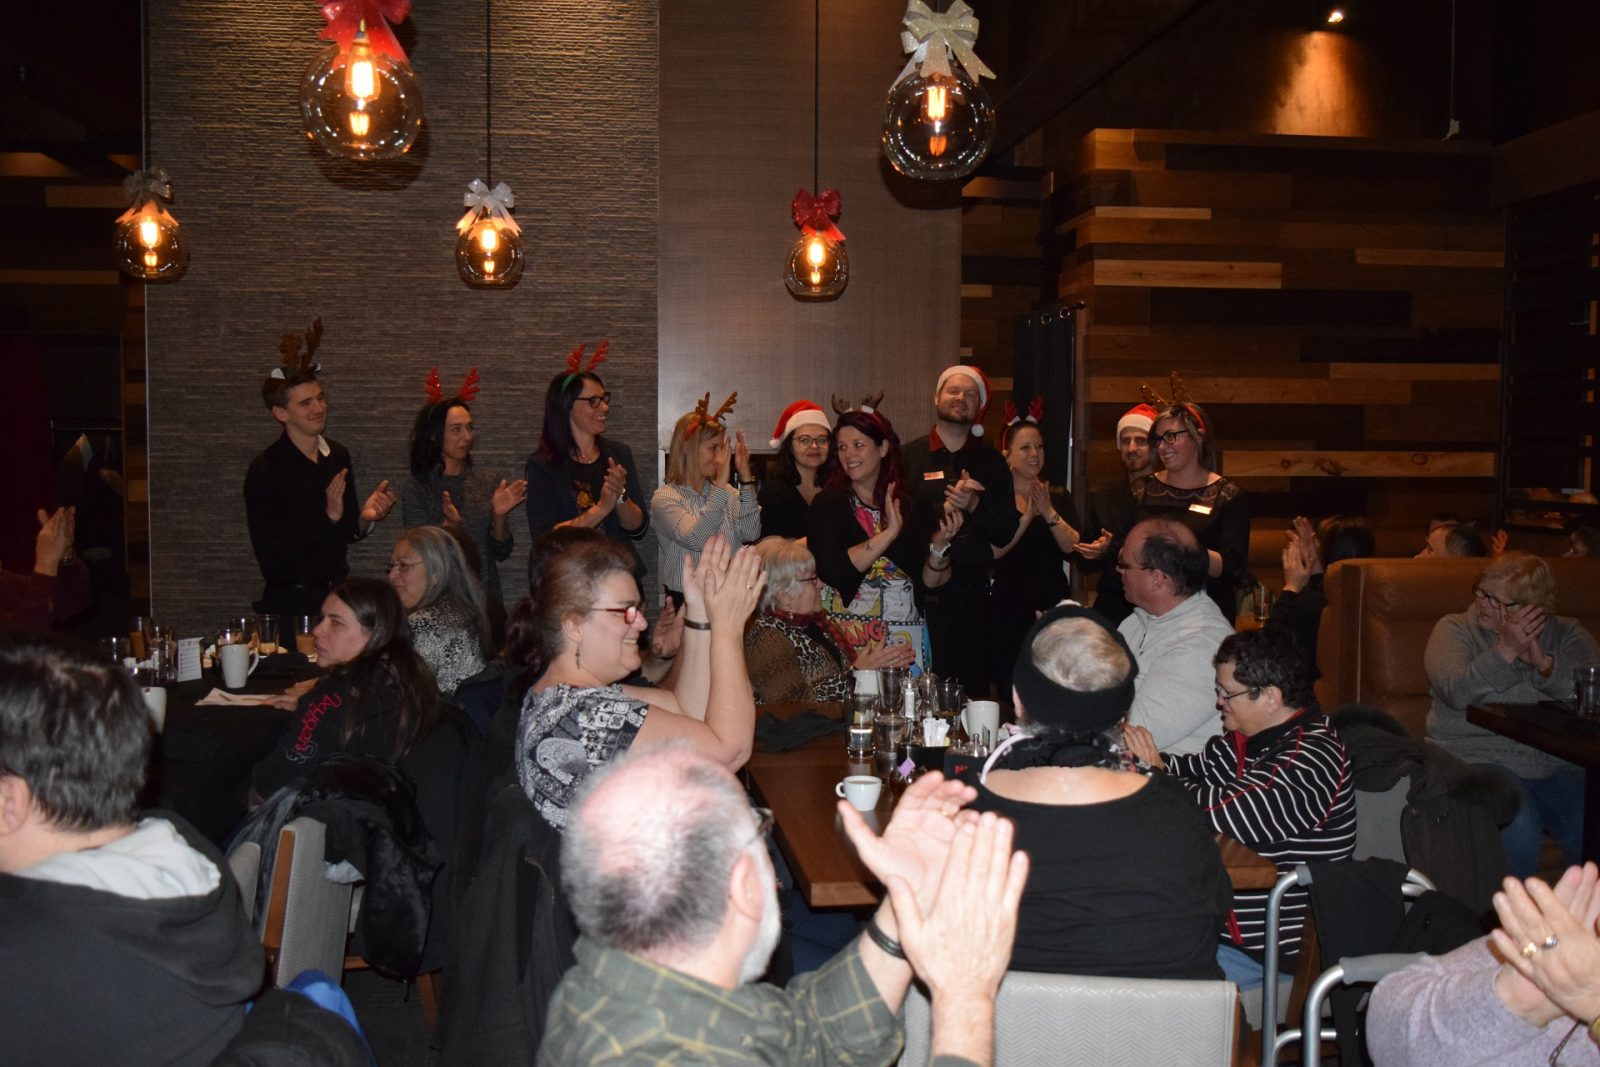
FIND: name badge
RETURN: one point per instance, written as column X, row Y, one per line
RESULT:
column 1199, row 509
column 933, row 476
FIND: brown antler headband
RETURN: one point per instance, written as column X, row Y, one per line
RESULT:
column 297, row 349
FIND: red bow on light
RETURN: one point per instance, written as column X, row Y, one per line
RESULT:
column 346, row 16
column 815, row 214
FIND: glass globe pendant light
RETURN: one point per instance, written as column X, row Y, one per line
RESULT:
column 359, row 96
column 939, row 122
column 149, row 244
column 818, row 267
column 489, row 242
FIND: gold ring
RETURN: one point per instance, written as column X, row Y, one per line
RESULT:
column 1530, row 950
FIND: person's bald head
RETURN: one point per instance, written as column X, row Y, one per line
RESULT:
column 1162, row 563
column 649, row 849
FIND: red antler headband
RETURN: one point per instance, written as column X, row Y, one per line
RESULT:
column 1013, row 417
column 575, row 365
column 435, row 389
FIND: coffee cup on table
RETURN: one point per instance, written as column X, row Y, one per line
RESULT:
column 238, row 663
column 982, row 715
column 155, row 702
column 861, row 790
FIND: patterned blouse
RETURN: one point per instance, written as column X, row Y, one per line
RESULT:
column 448, row 643
column 566, row 732
column 789, row 662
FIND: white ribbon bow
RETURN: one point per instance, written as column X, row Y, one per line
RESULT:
column 146, row 187
column 933, row 37
column 481, row 201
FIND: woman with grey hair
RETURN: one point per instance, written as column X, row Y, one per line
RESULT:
column 793, row 651
column 444, row 604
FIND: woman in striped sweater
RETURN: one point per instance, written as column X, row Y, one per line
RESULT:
column 1277, row 780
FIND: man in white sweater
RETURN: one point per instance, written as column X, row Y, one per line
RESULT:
column 1174, row 632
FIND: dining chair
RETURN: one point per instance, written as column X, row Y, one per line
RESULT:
column 308, row 917
column 1067, row 1020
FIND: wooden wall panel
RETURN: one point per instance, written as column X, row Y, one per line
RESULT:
column 1337, row 327
column 736, row 142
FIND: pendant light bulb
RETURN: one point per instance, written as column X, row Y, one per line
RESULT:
column 150, row 245
column 360, row 102
column 938, row 127
column 817, row 269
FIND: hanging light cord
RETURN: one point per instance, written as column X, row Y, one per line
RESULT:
column 816, row 98
column 488, row 99
column 144, row 83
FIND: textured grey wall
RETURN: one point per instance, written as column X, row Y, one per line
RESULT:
column 281, row 234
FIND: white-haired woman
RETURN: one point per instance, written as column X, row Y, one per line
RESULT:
column 793, row 650
column 444, row 604
column 1509, row 647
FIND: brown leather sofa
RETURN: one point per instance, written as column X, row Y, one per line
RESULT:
column 1381, row 612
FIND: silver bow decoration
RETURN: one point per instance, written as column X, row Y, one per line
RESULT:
column 146, row 187
column 481, row 201
column 933, row 37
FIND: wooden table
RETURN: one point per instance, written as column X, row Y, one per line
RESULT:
column 1561, row 734
column 798, row 787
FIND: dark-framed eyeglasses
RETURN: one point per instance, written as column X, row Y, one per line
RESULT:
column 811, row 442
column 597, row 400
column 1224, row 696
column 1122, row 566
column 1494, row 601
column 1170, row 437
column 403, row 565
column 630, row 612
column 764, row 824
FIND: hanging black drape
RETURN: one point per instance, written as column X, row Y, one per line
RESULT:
column 1043, row 366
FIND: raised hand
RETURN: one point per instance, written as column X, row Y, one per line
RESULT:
column 508, row 496
column 960, row 942
column 1295, row 572
column 1547, row 936
column 379, row 504
column 916, row 843
column 964, row 493
column 1142, row 743
column 334, row 495
column 1520, row 628
column 949, row 525
column 877, row 654
column 54, row 541
column 741, row 458
column 1497, row 542
column 722, row 461
column 713, row 561
column 732, row 594
column 452, row 514
column 893, row 519
column 1096, row 548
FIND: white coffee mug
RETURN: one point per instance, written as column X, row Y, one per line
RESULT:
column 861, row 790
column 238, row 663
column 155, row 702
column 983, row 715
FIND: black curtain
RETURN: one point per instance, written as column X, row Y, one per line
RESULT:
column 1043, row 366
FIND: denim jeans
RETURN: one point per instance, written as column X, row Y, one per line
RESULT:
column 1553, row 805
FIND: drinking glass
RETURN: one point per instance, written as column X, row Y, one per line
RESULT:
column 305, row 642
column 139, row 629
column 163, row 654
column 1586, row 695
column 267, row 634
column 116, row 649
column 858, row 719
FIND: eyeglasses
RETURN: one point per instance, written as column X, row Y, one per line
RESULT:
column 811, row 442
column 764, row 823
column 629, row 613
column 1494, row 601
column 1168, row 438
column 804, row 578
column 1225, row 696
column 1121, row 566
column 594, row 402
column 403, row 565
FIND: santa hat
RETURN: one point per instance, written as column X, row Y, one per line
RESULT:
column 800, row 413
column 1140, row 417
column 983, row 390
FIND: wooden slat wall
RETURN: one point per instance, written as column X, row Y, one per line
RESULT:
column 1002, row 274
column 1334, row 303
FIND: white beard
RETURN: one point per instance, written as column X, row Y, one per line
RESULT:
column 754, row 964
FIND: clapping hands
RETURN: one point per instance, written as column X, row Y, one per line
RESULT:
column 615, row 486
column 508, row 496
column 1302, row 556
column 1548, row 944
column 964, row 493
column 724, row 586
column 1096, row 548
column 378, row 505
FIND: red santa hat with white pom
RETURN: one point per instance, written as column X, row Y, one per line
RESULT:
column 800, row 413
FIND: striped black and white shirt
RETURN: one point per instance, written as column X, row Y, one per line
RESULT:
column 1286, row 793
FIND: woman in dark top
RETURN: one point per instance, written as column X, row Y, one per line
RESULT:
column 1189, row 489
column 1028, row 572
column 577, row 476
column 804, row 460
column 376, row 699
column 1126, row 879
column 874, row 553
column 445, row 489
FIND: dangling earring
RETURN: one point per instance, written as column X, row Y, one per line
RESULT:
column 577, row 655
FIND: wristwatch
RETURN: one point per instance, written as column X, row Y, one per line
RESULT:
column 1056, row 521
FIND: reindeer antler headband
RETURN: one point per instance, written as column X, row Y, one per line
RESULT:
column 297, row 349
column 1014, row 417
column 468, row 391
column 869, row 404
column 1180, row 399
column 575, row 365
column 702, row 418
